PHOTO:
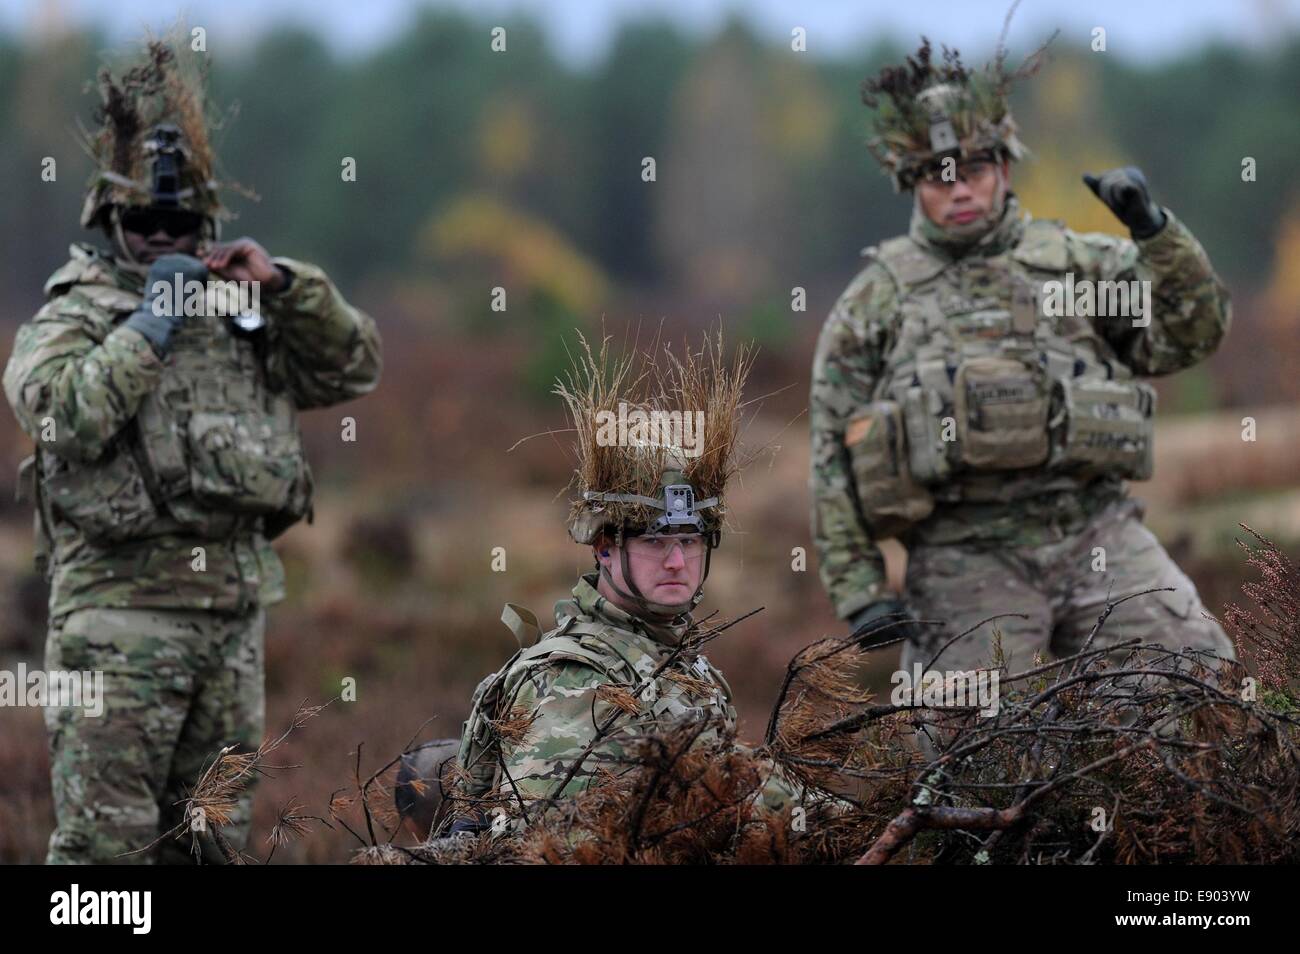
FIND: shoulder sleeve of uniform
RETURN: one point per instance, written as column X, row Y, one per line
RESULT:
column 79, row 268
column 557, row 646
column 554, row 713
column 1190, row 308
column 329, row 350
column 74, row 374
column 1045, row 244
column 847, row 365
column 865, row 311
column 1100, row 256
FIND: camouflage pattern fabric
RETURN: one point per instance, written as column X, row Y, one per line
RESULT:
column 1062, row 589
column 921, row 305
column 149, row 476
column 80, row 385
column 179, row 685
column 561, row 688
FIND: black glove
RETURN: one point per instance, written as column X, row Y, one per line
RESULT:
column 1125, row 192
column 159, row 328
column 882, row 621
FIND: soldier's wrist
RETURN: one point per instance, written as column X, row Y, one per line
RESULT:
column 286, row 283
column 1151, row 234
column 154, row 329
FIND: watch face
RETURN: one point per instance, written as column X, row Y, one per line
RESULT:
column 249, row 321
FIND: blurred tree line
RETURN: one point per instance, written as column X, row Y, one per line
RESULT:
column 471, row 163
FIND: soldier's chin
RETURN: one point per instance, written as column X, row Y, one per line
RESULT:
column 673, row 593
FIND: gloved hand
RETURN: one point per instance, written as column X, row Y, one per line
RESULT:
column 159, row 328
column 880, row 622
column 1125, row 192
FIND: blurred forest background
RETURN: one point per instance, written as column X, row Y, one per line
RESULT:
column 477, row 169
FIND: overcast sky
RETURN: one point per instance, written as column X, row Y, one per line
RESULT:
column 580, row 30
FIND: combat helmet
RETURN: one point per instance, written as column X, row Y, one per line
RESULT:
column 150, row 146
column 928, row 110
column 636, row 476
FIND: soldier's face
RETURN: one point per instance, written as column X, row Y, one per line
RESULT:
column 666, row 569
column 976, row 194
column 149, row 235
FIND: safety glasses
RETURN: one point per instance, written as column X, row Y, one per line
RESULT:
column 148, row 221
column 658, row 546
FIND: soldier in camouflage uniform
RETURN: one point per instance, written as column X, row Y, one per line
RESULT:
column 621, row 654
column 167, row 456
column 953, row 409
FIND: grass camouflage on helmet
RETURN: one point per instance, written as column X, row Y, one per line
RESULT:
column 929, row 109
column 151, row 143
column 629, row 487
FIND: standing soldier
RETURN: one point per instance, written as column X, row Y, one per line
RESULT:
column 167, row 456
column 623, row 659
column 955, row 409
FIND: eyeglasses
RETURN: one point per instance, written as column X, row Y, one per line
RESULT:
column 175, row 222
column 658, row 546
column 970, row 171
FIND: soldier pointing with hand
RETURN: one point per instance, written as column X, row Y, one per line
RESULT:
column 951, row 410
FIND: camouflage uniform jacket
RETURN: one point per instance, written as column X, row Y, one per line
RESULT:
column 78, row 374
column 916, row 289
column 561, row 684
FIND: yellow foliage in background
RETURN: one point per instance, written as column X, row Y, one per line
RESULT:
column 799, row 116
column 507, row 136
column 1066, row 139
column 527, row 251
column 1283, row 292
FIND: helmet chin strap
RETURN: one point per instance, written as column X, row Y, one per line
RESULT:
column 125, row 259
column 660, row 612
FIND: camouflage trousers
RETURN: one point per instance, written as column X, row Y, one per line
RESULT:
column 1062, row 588
column 178, row 686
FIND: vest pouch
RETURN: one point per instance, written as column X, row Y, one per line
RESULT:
column 1109, row 428
column 891, row 500
column 243, row 463
column 1001, row 406
column 924, row 422
column 163, row 439
column 105, row 499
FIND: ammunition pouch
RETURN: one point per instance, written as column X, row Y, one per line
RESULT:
column 928, row 443
column 997, row 414
column 1001, row 405
column 106, row 499
column 891, row 501
column 234, row 468
column 1108, row 428
column 215, row 469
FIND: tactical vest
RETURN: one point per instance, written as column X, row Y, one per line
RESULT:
column 213, row 450
column 982, row 395
column 586, row 642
